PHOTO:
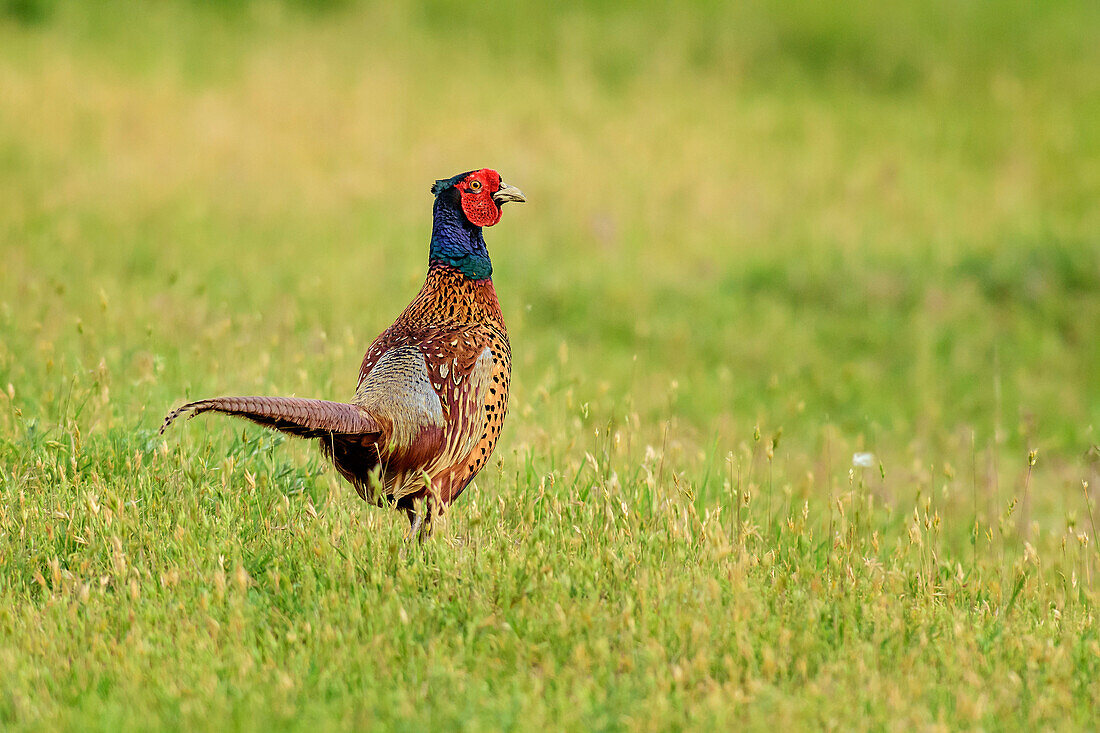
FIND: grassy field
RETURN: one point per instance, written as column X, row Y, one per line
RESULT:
column 759, row 240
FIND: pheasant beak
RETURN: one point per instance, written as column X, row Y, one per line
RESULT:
column 508, row 193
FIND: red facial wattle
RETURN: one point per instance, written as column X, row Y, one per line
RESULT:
column 477, row 197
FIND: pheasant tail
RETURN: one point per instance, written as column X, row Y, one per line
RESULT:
column 296, row 416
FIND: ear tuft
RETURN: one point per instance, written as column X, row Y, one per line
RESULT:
column 445, row 183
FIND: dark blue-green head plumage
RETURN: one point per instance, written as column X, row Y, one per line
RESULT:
column 464, row 204
column 445, row 183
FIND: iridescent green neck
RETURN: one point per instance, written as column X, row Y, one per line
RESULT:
column 455, row 241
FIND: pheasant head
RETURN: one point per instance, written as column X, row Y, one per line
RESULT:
column 463, row 205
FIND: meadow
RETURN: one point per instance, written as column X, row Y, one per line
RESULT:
column 760, row 239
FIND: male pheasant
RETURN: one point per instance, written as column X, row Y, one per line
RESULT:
column 433, row 387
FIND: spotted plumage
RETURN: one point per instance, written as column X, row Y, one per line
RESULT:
column 433, row 387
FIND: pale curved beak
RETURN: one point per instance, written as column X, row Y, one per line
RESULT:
column 508, row 193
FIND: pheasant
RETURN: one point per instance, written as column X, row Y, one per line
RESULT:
column 433, row 387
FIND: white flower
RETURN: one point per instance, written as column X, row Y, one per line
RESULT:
column 865, row 460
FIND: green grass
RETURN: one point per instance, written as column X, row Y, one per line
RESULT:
column 759, row 239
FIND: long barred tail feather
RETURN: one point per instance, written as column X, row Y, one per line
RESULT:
column 294, row 415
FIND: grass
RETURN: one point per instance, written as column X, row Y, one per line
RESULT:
column 758, row 241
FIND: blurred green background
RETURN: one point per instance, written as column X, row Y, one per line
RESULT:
column 874, row 226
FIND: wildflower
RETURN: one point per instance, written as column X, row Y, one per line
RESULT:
column 864, row 460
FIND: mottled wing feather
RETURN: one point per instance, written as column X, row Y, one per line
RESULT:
column 397, row 391
column 446, row 367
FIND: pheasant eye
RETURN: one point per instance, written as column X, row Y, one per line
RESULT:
column 475, row 186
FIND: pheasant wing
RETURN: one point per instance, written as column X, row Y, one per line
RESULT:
column 460, row 365
column 429, row 395
column 397, row 391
